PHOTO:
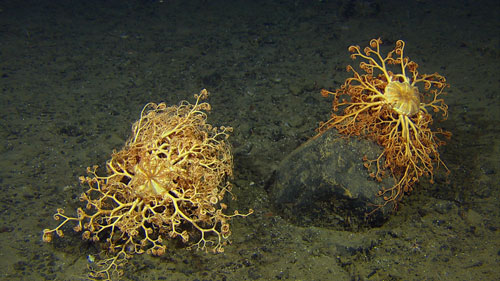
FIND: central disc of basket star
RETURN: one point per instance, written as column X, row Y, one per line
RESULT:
column 403, row 97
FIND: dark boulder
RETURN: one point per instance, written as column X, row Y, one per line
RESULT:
column 324, row 183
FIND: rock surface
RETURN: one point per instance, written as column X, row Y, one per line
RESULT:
column 324, row 183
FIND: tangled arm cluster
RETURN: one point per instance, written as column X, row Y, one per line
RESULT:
column 168, row 181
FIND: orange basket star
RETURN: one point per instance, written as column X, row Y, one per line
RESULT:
column 167, row 182
column 392, row 104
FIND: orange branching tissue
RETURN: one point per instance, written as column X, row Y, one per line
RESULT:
column 390, row 102
column 167, row 182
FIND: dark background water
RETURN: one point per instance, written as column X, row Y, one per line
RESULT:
column 74, row 75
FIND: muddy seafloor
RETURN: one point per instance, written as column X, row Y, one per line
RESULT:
column 74, row 75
